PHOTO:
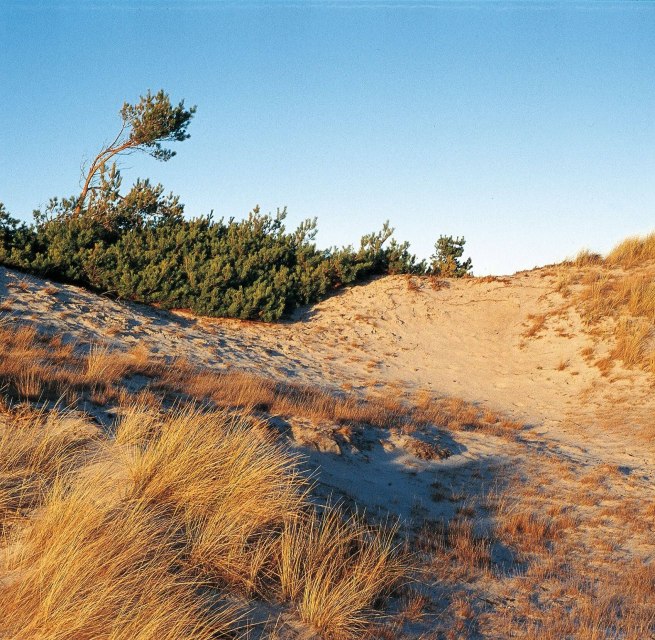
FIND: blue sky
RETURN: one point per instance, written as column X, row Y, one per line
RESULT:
column 529, row 128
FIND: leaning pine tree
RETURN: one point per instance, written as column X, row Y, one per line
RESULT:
column 145, row 127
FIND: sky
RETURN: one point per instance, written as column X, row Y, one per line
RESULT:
column 526, row 127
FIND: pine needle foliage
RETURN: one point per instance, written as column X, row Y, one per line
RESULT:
column 139, row 245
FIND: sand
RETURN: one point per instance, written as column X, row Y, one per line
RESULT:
column 467, row 339
column 477, row 339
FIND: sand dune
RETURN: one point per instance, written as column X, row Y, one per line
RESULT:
column 467, row 339
column 513, row 346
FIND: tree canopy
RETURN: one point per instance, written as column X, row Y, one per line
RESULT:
column 146, row 127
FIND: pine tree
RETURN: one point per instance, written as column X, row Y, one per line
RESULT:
column 446, row 258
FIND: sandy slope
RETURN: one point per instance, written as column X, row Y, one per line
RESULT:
column 470, row 338
column 466, row 339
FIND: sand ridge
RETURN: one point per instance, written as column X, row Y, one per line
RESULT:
column 467, row 338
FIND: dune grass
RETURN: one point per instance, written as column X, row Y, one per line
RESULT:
column 228, row 484
column 587, row 258
column 148, row 533
column 99, row 570
column 36, row 447
column 206, row 485
column 632, row 252
column 627, row 301
column 616, row 298
column 335, row 568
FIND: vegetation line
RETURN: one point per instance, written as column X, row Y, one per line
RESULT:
column 139, row 245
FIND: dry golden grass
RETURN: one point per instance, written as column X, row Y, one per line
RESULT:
column 632, row 252
column 564, row 604
column 587, row 353
column 336, row 568
column 29, row 385
column 530, row 528
column 455, row 550
column 628, row 301
column 487, row 279
column 91, row 569
column 227, row 482
column 456, row 414
column 414, row 605
column 50, row 290
column 35, row 448
column 537, row 326
column 35, row 366
column 141, row 358
column 610, row 294
column 587, row 258
column 38, row 367
column 23, row 285
column 26, row 360
column 413, row 284
column 103, row 366
column 214, row 504
column 249, row 392
column 615, row 297
column 634, row 338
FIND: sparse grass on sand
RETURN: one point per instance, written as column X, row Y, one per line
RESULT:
column 62, row 373
column 626, row 298
column 632, row 252
column 615, row 297
column 541, row 559
column 150, row 533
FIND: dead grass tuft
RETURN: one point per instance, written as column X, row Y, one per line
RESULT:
column 586, row 258
column 538, row 323
column 104, row 366
column 413, row 284
column 227, row 482
column 335, row 568
column 562, row 364
column 634, row 341
column 632, row 252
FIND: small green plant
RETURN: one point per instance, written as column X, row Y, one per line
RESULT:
column 446, row 260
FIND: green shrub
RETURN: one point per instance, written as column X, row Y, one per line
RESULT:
column 141, row 247
column 446, row 258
